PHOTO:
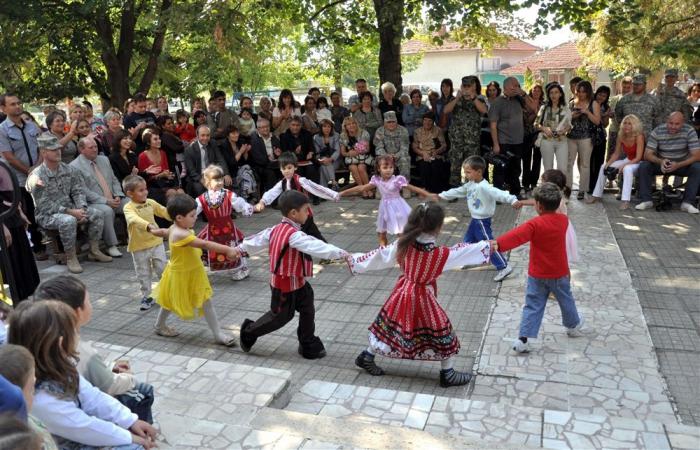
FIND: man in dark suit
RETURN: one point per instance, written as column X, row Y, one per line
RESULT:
column 198, row 155
column 265, row 149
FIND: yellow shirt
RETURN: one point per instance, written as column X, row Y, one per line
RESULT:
column 138, row 217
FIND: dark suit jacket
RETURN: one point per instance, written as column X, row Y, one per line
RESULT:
column 258, row 152
column 193, row 160
column 304, row 139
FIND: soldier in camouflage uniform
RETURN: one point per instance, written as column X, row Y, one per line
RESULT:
column 614, row 127
column 671, row 98
column 641, row 104
column 392, row 139
column 465, row 127
column 59, row 199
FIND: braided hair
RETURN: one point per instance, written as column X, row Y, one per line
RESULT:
column 426, row 217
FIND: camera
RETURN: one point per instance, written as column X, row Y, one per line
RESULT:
column 500, row 160
column 611, row 173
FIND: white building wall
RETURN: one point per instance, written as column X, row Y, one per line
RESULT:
column 436, row 66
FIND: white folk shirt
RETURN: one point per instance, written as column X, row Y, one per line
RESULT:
column 308, row 185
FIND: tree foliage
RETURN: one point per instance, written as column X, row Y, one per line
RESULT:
column 645, row 34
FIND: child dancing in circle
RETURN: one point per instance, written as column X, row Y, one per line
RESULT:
column 411, row 324
column 217, row 204
column 184, row 288
column 393, row 210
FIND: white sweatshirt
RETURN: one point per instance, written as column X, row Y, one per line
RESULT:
column 481, row 198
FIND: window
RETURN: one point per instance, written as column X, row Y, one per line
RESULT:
column 490, row 64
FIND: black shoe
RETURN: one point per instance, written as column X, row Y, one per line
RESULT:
column 580, row 195
column 365, row 360
column 313, row 349
column 451, row 377
column 246, row 342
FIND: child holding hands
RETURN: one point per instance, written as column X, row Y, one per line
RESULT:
column 184, row 288
column 481, row 200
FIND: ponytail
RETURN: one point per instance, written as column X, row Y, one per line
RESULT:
column 426, row 217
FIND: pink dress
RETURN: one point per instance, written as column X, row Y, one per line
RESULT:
column 571, row 243
column 393, row 210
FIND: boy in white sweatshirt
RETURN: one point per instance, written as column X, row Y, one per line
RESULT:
column 481, row 201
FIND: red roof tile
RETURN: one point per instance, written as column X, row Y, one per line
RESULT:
column 417, row 45
column 563, row 56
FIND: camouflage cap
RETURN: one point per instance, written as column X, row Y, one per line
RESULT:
column 390, row 116
column 48, row 142
column 671, row 73
column 639, row 78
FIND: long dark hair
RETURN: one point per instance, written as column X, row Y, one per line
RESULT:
column 425, row 218
column 283, row 94
column 447, row 82
column 496, row 85
column 587, row 87
column 605, row 90
column 117, row 142
column 556, row 86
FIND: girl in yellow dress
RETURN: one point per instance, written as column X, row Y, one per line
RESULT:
column 184, row 288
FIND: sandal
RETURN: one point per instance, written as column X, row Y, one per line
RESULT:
column 231, row 342
column 166, row 331
column 625, row 205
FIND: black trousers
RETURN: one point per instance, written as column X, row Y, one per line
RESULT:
column 28, row 206
column 597, row 160
column 532, row 159
column 282, row 309
column 311, row 229
column 435, row 175
column 509, row 176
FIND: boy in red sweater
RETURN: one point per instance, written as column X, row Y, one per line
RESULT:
column 290, row 264
column 549, row 267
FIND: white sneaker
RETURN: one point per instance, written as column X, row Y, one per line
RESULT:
column 690, row 209
column 503, row 273
column 576, row 331
column 114, row 252
column 644, row 205
column 240, row 274
column 520, row 346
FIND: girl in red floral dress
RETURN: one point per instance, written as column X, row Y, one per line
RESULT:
column 217, row 205
column 411, row 324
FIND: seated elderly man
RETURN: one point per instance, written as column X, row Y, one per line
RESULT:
column 102, row 189
column 265, row 149
column 198, row 155
column 392, row 139
column 58, row 192
column 672, row 149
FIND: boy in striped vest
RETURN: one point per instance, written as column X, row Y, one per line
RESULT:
column 290, row 264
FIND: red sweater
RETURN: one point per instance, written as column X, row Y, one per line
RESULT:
column 547, row 237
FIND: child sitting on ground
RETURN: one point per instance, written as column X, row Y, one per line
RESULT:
column 75, row 412
column 146, row 249
column 18, row 368
column 217, row 204
column 481, row 200
column 117, row 380
column 290, row 263
column 184, row 288
column 292, row 181
column 549, row 268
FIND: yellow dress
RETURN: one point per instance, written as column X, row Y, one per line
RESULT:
column 184, row 286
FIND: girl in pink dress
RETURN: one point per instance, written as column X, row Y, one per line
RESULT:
column 217, row 204
column 393, row 210
column 411, row 324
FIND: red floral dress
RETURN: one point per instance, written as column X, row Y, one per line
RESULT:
column 217, row 207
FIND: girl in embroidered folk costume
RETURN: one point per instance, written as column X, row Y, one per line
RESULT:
column 217, row 204
column 393, row 210
column 411, row 324
column 292, row 181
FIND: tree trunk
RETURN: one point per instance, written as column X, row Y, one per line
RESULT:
column 337, row 72
column 390, row 18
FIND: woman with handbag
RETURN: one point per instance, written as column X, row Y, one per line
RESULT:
column 600, row 142
column 553, row 122
column 585, row 115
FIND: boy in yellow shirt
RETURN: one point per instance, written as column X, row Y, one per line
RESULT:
column 146, row 249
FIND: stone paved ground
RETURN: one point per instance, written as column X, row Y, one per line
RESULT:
column 662, row 252
column 345, row 306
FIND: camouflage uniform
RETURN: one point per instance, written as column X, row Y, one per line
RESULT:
column 56, row 192
column 645, row 106
column 465, row 137
column 672, row 100
column 394, row 143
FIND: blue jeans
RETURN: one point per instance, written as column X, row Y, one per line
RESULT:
column 538, row 290
column 139, row 400
column 480, row 230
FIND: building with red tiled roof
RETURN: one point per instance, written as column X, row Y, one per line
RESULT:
column 454, row 60
column 556, row 64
